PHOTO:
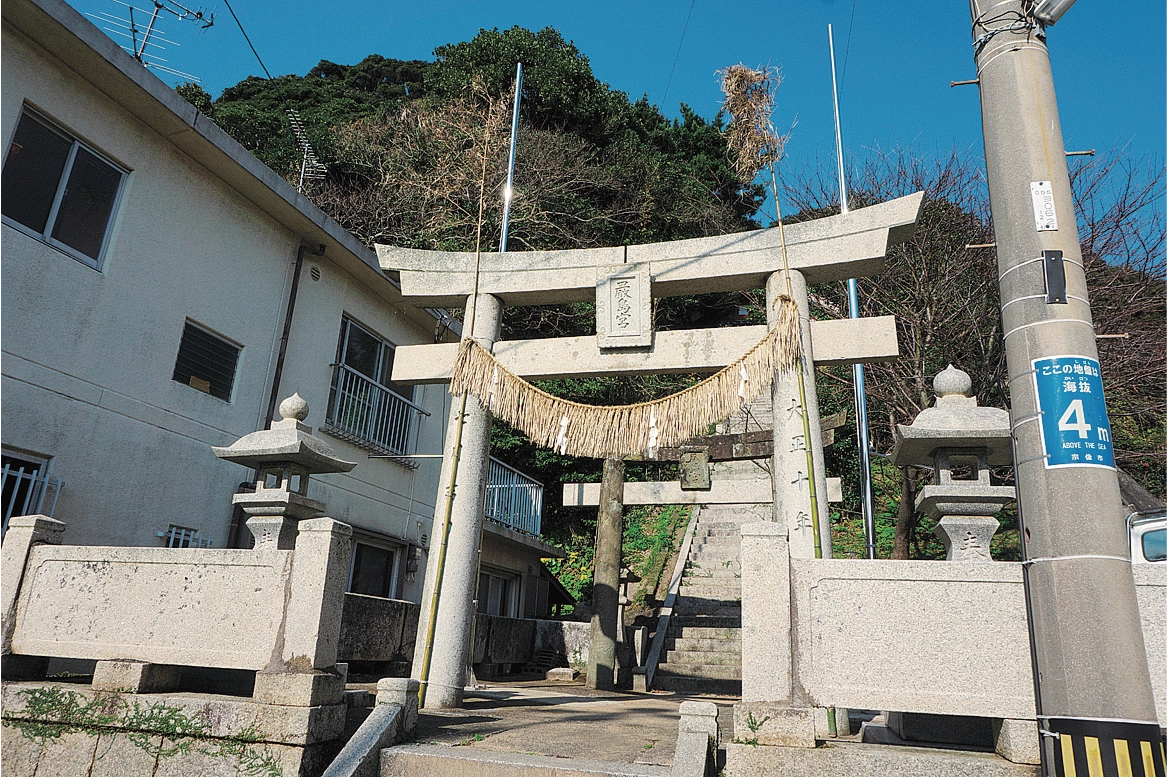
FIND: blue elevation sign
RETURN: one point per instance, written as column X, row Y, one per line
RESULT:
column 1075, row 431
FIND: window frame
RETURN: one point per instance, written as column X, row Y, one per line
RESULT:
column 393, row 574
column 46, row 237
column 346, row 323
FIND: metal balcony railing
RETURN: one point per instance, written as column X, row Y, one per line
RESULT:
column 371, row 416
column 513, row 499
column 25, row 491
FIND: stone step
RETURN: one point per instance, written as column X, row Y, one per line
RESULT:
column 731, row 581
column 720, row 672
column 711, row 591
column 718, row 542
column 717, row 536
column 725, row 611
column 720, row 528
column 708, row 644
column 684, row 685
column 719, row 658
column 707, row 560
column 713, row 566
column 440, row 759
column 711, row 633
column 682, row 621
column 723, row 552
column 701, row 574
column 728, row 584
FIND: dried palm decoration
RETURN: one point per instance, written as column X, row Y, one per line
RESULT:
column 749, row 100
column 620, row 430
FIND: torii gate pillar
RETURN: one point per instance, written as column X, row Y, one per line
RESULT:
column 455, row 621
column 790, row 479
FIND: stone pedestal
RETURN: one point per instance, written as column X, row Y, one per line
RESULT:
column 136, row 677
column 964, row 514
column 966, row 538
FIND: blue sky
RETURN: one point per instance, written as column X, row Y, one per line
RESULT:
column 1110, row 70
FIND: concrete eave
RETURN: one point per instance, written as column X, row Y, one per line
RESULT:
column 67, row 36
column 546, row 551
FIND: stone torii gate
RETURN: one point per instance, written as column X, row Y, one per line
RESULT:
column 623, row 280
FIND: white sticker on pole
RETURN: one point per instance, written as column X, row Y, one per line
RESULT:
column 1044, row 213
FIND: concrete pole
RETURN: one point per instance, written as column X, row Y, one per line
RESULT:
column 447, row 676
column 791, row 487
column 606, row 580
column 1084, row 620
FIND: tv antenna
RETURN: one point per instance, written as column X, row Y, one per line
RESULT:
column 311, row 168
column 143, row 41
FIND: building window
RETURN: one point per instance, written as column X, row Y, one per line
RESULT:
column 206, row 362
column 59, row 190
column 364, row 406
column 374, row 570
column 183, row 537
column 28, row 487
column 498, row 595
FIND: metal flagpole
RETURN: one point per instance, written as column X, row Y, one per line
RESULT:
column 853, row 310
column 507, row 195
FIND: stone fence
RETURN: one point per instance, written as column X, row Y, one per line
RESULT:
column 928, row 637
column 144, row 610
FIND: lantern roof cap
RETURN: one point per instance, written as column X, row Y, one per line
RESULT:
column 288, row 440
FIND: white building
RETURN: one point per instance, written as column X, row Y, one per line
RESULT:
column 162, row 289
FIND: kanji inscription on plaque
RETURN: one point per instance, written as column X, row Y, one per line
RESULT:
column 624, row 306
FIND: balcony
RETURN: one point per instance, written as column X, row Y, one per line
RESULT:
column 513, row 499
column 370, row 415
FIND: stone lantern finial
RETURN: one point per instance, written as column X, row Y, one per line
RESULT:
column 294, row 407
column 952, row 381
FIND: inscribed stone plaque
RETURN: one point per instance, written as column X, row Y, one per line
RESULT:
column 695, row 470
column 624, row 306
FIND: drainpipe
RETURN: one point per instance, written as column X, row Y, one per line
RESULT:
column 279, row 372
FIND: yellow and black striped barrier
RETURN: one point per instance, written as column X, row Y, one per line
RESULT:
column 1096, row 747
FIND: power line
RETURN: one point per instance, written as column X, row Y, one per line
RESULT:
column 311, row 168
column 249, row 43
column 846, row 51
column 678, row 57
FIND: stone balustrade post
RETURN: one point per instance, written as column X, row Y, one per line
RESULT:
column 23, row 533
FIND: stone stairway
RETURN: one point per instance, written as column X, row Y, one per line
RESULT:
column 703, row 647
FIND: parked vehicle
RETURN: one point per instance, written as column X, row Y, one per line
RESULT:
column 1148, row 536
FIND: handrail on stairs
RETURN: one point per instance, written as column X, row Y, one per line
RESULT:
column 666, row 611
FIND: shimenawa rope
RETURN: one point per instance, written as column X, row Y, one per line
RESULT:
column 642, row 428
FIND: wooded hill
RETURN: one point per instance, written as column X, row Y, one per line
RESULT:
column 404, row 143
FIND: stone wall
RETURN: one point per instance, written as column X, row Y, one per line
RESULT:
column 267, row 609
column 862, row 631
column 69, row 729
column 374, row 629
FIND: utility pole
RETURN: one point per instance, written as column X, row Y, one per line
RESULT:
column 1093, row 687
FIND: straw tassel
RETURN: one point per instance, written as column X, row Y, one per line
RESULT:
column 621, row 430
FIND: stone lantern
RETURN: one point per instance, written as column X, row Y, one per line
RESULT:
column 960, row 440
column 283, row 457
